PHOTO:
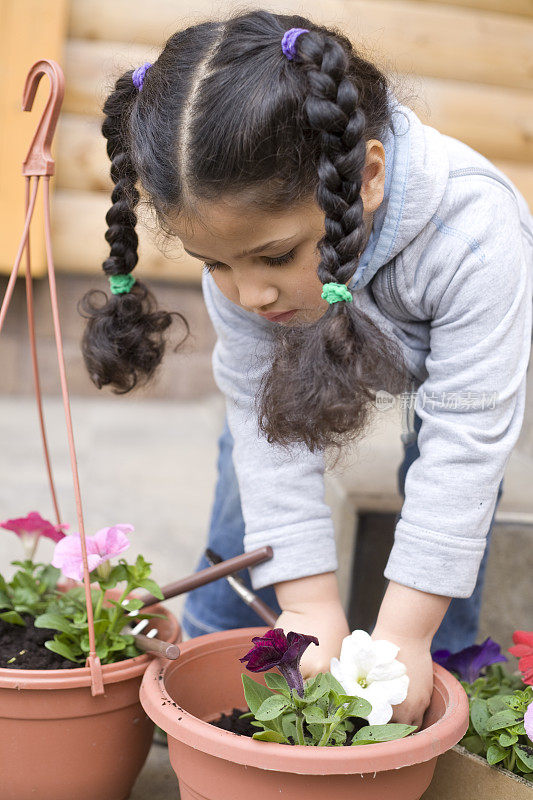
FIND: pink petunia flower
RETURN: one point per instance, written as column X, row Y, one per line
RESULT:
column 528, row 721
column 30, row 529
column 105, row 544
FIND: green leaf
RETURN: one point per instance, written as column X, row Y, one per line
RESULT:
column 507, row 739
column 525, row 754
column 498, row 703
column 503, row 719
column 133, row 604
column 317, row 688
column 13, row 618
column 26, row 581
column 519, row 729
column 63, row 649
column 339, row 736
column 473, row 743
column 117, row 574
column 333, row 683
column 315, row 732
column 495, row 753
column 271, row 708
column 152, row 587
column 479, row 714
column 371, row 734
column 277, row 683
column 48, row 577
column 357, row 707
column 288, row 726
column 254, row 693
column 271, row 736
column 117, row 643
column 55, row 621
column 316, row 716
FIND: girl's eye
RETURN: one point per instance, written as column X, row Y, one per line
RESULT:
column 273, row 262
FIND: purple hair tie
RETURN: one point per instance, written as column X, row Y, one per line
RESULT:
column 288, row 43
column 138, row 75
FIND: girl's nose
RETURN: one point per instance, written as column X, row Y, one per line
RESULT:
column 255, row 295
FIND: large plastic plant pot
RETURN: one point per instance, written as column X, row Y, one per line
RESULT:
column 182, row 697
column 58, row 742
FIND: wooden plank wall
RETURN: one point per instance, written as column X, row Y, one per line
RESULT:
column 26, row 35
column 468, row 65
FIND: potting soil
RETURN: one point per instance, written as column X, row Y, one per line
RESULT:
column 23, row 647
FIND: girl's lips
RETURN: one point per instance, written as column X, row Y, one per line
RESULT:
column 285, row 315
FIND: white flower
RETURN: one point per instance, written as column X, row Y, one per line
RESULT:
column 369, row 669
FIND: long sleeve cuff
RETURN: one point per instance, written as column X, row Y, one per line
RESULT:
column 434, row 562
column 300, row 550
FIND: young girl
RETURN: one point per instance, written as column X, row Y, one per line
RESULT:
column 348, row 249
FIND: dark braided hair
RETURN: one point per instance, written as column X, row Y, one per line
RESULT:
column 123, row 341
column 223, row 113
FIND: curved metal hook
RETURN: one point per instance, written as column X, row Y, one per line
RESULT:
column 39, row 160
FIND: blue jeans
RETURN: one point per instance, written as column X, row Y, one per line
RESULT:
column 216, row 607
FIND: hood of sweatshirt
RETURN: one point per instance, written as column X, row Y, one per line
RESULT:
column 416, row 174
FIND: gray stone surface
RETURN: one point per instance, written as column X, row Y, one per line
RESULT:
column 157, row 780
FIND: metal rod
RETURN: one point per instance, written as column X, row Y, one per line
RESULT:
column 210, row 574
column 247, row 595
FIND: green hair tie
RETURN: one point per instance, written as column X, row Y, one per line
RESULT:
column 120, row 284
column 334, row 292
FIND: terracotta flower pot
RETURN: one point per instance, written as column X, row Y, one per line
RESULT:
column 58, row 742
column 212, row 764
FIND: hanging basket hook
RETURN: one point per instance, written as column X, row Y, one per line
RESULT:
column 39, row 160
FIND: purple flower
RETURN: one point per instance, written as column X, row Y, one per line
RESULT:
column 274, row 649
column 469, row 662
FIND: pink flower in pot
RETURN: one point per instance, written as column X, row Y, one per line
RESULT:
column 29, row 529
column 528, row 721
column 104, row 545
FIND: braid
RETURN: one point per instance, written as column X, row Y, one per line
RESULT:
column 324, row 376
column 121, row 217
column 123, row 342
column 332, row 108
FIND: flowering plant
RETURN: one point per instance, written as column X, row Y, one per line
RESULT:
column 30, row 528
column 316, row 712
column 33, row 591
column 501, row 704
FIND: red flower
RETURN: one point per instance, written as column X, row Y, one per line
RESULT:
column 29, row 530
column 523, row 650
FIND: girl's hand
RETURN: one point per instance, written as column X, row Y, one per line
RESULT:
column 312, row 605
column 415, row 654
column 327, row 622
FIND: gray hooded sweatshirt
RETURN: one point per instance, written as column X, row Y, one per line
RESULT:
column 447, row 272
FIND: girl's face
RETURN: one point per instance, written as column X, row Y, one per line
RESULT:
column 267, row 264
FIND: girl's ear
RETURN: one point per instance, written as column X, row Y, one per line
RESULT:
column 373, row 186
